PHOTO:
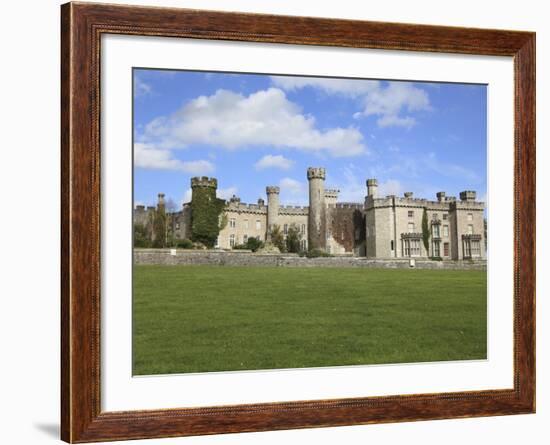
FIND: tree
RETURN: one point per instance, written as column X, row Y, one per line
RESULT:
column 141, row 236
column 277, row 238
column 425, row 231
column 170, row 210
column 293, row 238
column 159, row 228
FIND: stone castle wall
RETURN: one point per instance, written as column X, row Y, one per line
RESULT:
column 243, row 258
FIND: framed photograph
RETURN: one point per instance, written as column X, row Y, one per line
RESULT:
column 274, row 222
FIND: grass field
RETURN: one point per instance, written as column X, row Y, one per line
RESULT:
column 211, row 318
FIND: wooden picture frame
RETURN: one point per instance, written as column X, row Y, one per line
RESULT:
column 82, row 25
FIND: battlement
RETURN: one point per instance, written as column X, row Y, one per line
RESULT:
column 332, row 193
column 349, row 205
column 449, row 203
column 237, row 206
column 468, row 195
column 294, row 210
column 316, row 173
column 204, row 181
column 272, row 189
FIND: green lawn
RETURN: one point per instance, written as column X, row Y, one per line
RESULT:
column 211, row 318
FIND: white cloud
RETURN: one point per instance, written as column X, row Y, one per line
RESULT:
column 293, row 192
column 346, row 87
column 230, row 120
column 149, row 157
column 141, row 88
column 353, row 186
column 199, row 167
column 274, row 161
column 390, row 187
column 187, row 196
column 388, row 103
column 227, row 192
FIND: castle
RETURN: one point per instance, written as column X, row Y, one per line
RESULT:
column 380, row 227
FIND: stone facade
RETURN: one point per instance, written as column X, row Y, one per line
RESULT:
column 386, row 227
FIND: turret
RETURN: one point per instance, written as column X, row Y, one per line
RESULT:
column 160, row 203
column 372, row 187
column 468, row 195
column 272, row 192
column 440, row 196
column 316, row 216
column 209, row 185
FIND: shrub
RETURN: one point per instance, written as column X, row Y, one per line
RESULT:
column 293, row 239
column 277, row 238
column 184, row 244
column 316, row 253
column 254, row 244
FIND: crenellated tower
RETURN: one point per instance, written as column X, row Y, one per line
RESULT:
column 272, row 192
column 317, row 208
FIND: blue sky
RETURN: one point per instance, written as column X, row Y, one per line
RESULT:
column 253, row 130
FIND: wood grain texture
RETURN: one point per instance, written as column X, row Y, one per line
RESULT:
column 81, row 28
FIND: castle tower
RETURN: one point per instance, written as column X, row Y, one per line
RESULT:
column 161, row 205
column 316, row 217
column 272, row 192
column 208, row 185
column 372, row 188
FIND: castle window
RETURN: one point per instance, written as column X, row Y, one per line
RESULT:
column 303, row 228
column 410, row 227
column 391, row 245
column 445, row 249
column 411, row 213
column 258, row 224
column 285, row 230
column 446, row 231
column 232, row 240
column 445, row 216
column 470, row 229
column 177, row 226
column 232, row 223
column 476, row 249
column 245, row 239
column 411, row 247
column 246, row 223
column 436, row 216
column 435, row 231
column 470, row 217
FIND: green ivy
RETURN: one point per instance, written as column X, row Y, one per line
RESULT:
column 205, row 215
column 425, row 231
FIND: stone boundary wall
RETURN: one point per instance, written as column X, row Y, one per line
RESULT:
column 244, row 258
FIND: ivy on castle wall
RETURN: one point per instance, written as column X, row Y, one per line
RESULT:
column 425, row 230
column 205, row 216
